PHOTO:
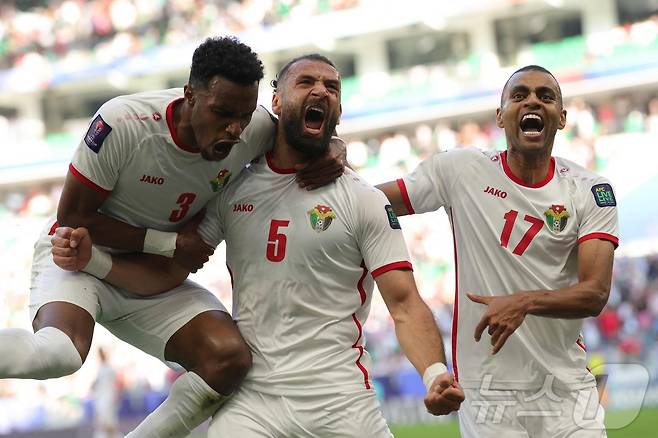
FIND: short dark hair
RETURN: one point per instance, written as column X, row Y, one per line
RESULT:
column 310, row 56
column 532, row 67
column 226, row 57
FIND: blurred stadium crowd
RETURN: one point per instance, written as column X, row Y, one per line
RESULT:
column 37, row 33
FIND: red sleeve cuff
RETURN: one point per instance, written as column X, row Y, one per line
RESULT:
column 390, row 267
column 86, row 181
column 602, row 236
column 405, row 195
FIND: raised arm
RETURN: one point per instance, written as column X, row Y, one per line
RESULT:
column 420, row 339
column 586, row 298
column 141, row 274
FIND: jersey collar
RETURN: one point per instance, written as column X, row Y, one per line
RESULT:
column 275, row 169
column 172, row 128
column 519, row 181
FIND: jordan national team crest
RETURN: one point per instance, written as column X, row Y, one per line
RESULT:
column 321, row 217
column 222, row 179
column 556, row 218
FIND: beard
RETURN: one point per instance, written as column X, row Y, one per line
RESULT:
column 293, row 129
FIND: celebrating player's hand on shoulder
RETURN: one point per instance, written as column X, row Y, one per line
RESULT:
column 191, row 250
column 445, row 395
column 71, row 248
column 503, row 316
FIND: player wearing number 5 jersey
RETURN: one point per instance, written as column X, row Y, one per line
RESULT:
column 534, row 240
column 147, row 164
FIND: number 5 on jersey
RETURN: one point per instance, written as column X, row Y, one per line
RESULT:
column 276, row 241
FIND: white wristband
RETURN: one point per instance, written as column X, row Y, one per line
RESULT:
column 431, row 372
column 100, row 263
column 160, row 242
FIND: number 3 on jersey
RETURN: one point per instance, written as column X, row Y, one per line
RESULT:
column 276, row 241
column 184, row 201
column 535, row 227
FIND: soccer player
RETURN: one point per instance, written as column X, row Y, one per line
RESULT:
column 147, row 164
column 534, row 242
column 303, row 265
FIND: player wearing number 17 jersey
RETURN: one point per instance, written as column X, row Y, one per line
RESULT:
column 534, row 238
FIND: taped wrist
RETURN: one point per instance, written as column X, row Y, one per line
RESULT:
column 100, row 263
column 160, row 242
column 431, row 372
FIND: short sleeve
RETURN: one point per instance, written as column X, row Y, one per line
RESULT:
column 211, row 229
column 424, row 189
column 379, row 234
column 103, row 150
column 599, row 212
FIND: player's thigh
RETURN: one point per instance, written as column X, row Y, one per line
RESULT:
column 574, row 414
column 484, row 416
column 149, row 322
column 348, row 414
column 249, row 414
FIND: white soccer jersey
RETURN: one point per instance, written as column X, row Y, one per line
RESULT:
column 512, row 237
column 300, row 263
column 132, row 153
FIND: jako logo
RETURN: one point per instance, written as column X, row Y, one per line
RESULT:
column 495, row 192
column 243, row 207
column 157, row 180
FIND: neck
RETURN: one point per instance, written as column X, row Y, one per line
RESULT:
column 529, row 168
column 284, row 156
column 181, row 112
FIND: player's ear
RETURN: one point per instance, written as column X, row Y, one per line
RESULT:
column 276, row 103
column 563, row 119
column 188, row 93
column 499, row 118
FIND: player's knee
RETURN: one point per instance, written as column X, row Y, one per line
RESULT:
column 225, row 363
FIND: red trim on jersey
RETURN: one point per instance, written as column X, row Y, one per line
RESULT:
column 395, row 265
column 455, row 312
column 581, row 345
column 519, row 181
column 86, row 181
column 52, row 229
column 602, row 236
column 362, row 296
column 359, row 285
column 405, row 195
column 230, row 273
column 360, row 348
column 275, row 169
column 172, row 129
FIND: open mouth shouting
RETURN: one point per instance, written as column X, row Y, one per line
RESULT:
column 314, row 119
column 531, row 125
column 222, row 148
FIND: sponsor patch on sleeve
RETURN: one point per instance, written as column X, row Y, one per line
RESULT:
column 392, row 218
column 96, row 133
column 603, row 195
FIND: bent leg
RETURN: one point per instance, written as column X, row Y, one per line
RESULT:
column 189, row 326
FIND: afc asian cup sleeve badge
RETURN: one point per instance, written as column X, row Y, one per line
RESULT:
column 321, row 217
column 221, row 180
column 556, row 218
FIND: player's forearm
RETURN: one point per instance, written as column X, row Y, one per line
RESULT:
column 582, row 300
column 105, row 231
column 418, row 334
column 145, row 274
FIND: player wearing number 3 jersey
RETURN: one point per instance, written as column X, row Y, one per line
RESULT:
column 534, row 239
